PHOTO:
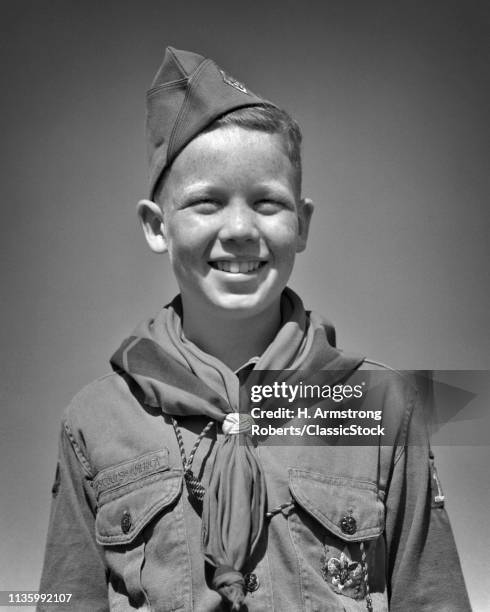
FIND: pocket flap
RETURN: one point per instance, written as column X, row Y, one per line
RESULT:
column 124, row 511
column 348, row 508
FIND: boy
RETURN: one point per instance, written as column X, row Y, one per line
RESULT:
column 163, row 499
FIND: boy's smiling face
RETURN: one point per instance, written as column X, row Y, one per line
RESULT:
column 231, row 220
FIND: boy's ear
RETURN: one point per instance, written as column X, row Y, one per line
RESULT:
column 151, row 219
column 305, row 210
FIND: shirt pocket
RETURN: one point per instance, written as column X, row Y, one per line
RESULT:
column 138, row 519
column 335, row 528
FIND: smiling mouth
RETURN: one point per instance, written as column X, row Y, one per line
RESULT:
column 237, row 267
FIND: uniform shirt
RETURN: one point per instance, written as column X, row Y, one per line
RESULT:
column 124, row 533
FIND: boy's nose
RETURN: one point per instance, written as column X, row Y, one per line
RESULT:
column 239, row 223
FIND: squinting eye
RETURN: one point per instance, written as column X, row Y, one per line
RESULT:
column 269, row 207
column 204, row 207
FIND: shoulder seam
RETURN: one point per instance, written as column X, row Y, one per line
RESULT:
column 402, row 374
column 91, row 386
column 104, row 376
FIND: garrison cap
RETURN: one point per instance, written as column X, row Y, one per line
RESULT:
column 187, row 94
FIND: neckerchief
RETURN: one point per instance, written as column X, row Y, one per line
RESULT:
column 181, row 380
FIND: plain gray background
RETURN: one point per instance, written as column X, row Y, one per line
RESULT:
column 393, row 101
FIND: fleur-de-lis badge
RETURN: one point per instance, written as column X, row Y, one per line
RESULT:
column 344, row 575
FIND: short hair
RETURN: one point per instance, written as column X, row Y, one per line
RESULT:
column 267, row 118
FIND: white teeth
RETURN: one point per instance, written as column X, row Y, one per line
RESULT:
column 223, row 265
column 237, row 267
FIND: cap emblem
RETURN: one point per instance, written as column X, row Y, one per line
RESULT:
column 229, row 80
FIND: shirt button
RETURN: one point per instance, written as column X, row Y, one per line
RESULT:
column 251, row 582
column 126, row 521
column 348, row 525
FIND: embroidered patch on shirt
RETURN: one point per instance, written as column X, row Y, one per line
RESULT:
column 131, row 471
column 344, row 575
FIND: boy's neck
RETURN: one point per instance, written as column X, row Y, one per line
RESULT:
column 232, row 341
